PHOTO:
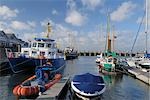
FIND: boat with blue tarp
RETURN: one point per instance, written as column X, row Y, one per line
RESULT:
column 88, row 85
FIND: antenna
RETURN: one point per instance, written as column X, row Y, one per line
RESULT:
column 48, row 29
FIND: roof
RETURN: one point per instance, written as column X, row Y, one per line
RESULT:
column 10, row 38
column 43, row 39
column 3, row 36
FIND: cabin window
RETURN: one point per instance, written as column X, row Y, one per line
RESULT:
column 42, row 53
column 34, row 44
column 48, row 45
column 34, row 52
column 40, row 44
column 26, row 52
column 51, row 53
column 110, row 60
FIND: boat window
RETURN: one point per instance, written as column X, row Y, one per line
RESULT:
column 26, row 52
column 110, row 60
column 48, row 45
column 40, row 44
column 34, row 44
column 34, row 52
column 42, row 53
column 51, row 53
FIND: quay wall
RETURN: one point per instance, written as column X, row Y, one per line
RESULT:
column 86, row 53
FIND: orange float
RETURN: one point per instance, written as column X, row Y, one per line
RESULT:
column 21, row 90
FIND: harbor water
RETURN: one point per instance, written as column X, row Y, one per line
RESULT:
column 118, row 87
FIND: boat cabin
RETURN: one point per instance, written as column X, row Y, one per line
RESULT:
column 40, row 47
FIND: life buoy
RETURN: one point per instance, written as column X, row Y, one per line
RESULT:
column 33, row 90
column 25, row 90
column 58, row 76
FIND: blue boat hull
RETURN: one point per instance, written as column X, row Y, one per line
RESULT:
column 17, row 65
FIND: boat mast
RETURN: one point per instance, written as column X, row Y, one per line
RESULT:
column 146, row 23
column 101, row 32
column 108, row 33
column 48, row 29
column 113, row 40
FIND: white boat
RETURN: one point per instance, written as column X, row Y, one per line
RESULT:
column 99, row 58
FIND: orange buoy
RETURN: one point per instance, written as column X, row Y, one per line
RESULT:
column 19, row 90
column 15, row 90
column 25, row 90
column 58, row 76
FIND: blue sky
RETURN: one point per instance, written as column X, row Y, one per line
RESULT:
column 85, row 20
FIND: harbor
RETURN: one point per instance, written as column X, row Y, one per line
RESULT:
column 74, row 50
column 117, row 87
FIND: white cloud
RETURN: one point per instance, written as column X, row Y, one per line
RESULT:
column 31, row 23
column 7, row 13
column 54, row 12
column 92, row 4
column 123, row 12
column 2, row 25
column 75, row 18
column 18, row 25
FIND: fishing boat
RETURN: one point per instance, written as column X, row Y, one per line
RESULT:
column 70, row 53
column 88, row 85
column 109, row 60
column 35, row 54
column 45, row 77
column 108, row 63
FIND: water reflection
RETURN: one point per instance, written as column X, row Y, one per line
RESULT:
column 7, row 83
column 118, row 87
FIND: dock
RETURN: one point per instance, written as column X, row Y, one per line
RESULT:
column 139, row 74
column 57, row 91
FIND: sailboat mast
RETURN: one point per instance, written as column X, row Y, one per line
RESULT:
column 146, row 22
column 108, row 33
column 113, row 31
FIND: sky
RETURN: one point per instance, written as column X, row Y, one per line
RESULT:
column 82, row 23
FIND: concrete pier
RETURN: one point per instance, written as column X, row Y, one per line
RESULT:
column 56, row 92
column 139, row 74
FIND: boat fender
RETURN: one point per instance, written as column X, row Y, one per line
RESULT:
column 25, row 90
column 58, row 76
